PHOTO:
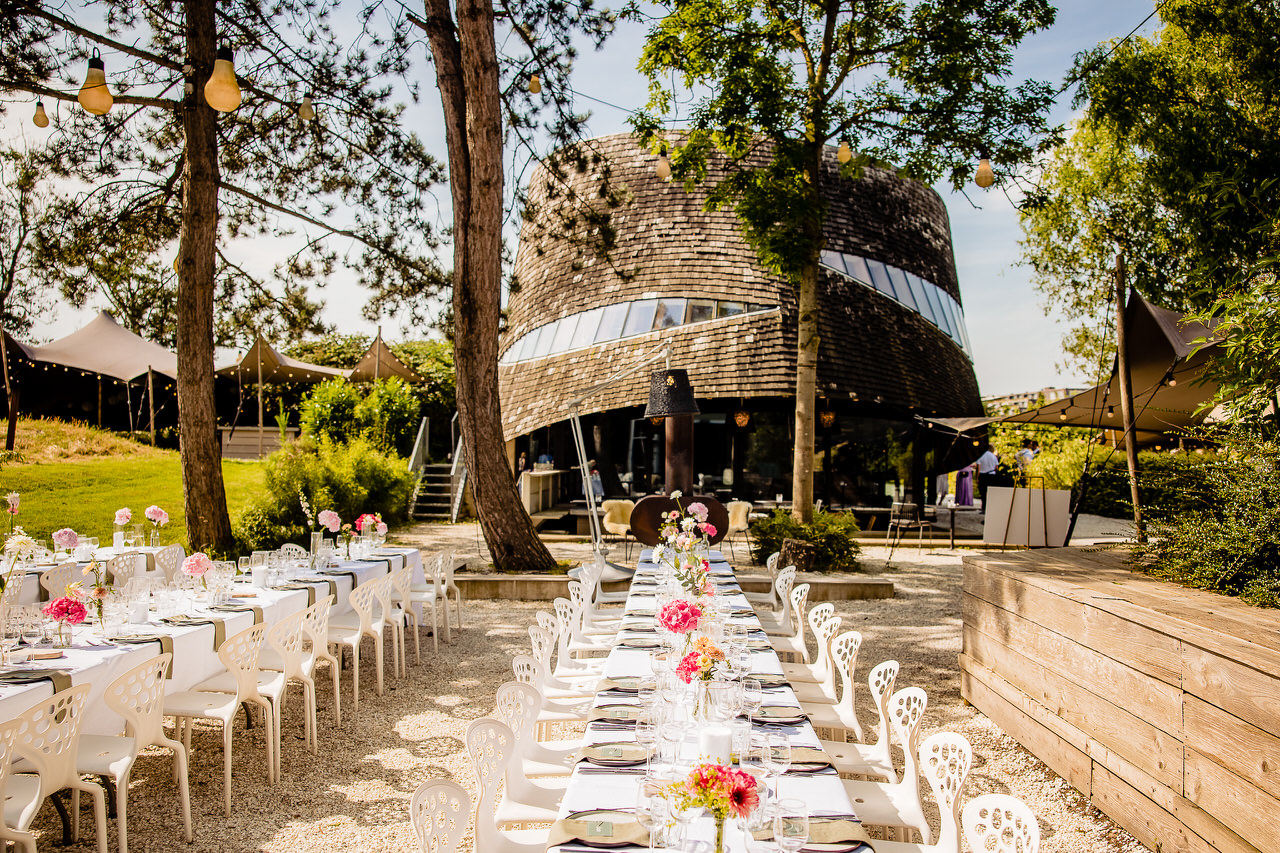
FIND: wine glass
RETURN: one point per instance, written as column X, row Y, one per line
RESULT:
column 752, row 696
column 776, row 757
column 10, row 634
column 791, row 825
column 646, row 736
column 651, row 809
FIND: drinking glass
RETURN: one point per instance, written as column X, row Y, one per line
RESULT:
column 752, row 696
column 32, row 628
column 244, row 565
column 791, row 825
column 651, row 809
column 10, row 635
column 647, row 691
column 777, row 757
column 647, row 736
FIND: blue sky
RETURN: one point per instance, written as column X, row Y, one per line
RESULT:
column 1015, row 346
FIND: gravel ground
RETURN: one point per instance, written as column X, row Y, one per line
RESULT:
column 354, row 795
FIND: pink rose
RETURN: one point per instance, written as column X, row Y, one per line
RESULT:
column 197, row 564
column 66, row 538
column 366, row 520
column 709, row 528
column 329, row 519
column 381, row 528
column 67, row 610
column 157, row 516
column 123, row 516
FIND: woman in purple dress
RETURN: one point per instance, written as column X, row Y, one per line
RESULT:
column 964, row 487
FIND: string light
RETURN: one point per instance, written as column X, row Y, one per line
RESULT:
column 663, row 168
column 1111, row 411
column 94, row 96
column 845, row 154
column 306, row 111
column 222, row 92
column 41, row 118
column 535, row 85
column 985, row 176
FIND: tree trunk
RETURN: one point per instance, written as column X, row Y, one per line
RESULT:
column 807, row 342
column 467, row 76
column 204, row 496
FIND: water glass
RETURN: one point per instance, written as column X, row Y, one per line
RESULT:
column 752, row 696
column 647, row 735
column 791, row 825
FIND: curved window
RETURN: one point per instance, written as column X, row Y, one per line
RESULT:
column 912, row 292
column 621, row 320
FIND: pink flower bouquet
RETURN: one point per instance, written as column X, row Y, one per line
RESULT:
column 157, row 516
column 679, row 617
column 329, row 520
column 123, row 516
column 197, row 564
column 68, row 610
column 66, row 538
column 367, row 522
column 381, row 528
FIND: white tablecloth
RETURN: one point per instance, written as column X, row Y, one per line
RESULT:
column 824, row 794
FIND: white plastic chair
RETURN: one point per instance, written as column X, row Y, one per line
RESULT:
column 1000, row 823
column 12, row 594
column 523, row 800
column 350, row 629
column 491, row 746
column 526, row 671
column 439, row 811
column 875, row 760
column 239, row 654
column 542, row 642
column 122, row 568
column 451, row 588
column 406, row 609
column 316, row 627
column 779, row 624
column 818, row 672
column 795, row 646
column 567, row 666
column 550, row 622
column 18, row 792
column 897, row 805
column 517, row 705
column 286, row 654
column 946, row 758
column 294, row 551
column 56, row 580
column 138, row 696
column 169, row 560
column 841, row 715
column 47, row 741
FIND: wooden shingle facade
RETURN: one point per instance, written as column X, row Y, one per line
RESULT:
column 874, row 350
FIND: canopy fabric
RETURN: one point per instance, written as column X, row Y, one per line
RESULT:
column 1166, row 371
column 379, row 362
column 105, row 347
column 261, row 359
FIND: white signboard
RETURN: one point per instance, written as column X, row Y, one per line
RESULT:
column 1035, row 518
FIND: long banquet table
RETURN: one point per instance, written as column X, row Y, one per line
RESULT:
column 593, row 787
column 93, row 660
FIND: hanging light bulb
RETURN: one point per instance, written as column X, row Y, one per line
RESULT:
column 535, row 84
column 1111, row 411
column 985, row 176
column 95, row 97
column 1062, row 416
column 845, row 154
column 663, row 168
column 41, row 118
column 222, row 92
column 306, row 112
column 1173, row 383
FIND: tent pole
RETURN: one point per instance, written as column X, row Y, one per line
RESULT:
column 377, row 359
column 259, row 396
column 151, row 402
column 11, row 434
column 1126, row 401
column 128, row 401
column 99, row 401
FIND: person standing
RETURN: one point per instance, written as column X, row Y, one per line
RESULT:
column 986, row 465
column 964, row 487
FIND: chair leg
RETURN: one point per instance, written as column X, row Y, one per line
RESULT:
column 122, row 811
column 99, row 809
column 226, row 766
column 184, row 785
column 417, row 638
column 379, row 660
column 355, row 678
column 337, row 691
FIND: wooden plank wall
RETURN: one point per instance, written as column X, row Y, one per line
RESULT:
column 1160, row 704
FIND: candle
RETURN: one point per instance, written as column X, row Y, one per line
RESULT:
column 715, row 742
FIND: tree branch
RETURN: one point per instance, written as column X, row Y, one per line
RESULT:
column 40, row 12
column 46, row 92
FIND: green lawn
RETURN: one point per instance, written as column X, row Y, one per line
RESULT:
column 84, row 494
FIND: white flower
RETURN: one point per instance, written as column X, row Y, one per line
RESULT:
column 676, row 495
column 19, row 545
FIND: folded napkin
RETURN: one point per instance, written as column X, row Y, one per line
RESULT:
column 240, row 608
column 165, row 641
column 61, row 678
column 311, row 590
column 626, row 684
column 219, row 626
column 827, row 830
column 614, row 713
column 620, row 754
column 640, row 643
column 333, row 584
column 809, row 755
column 770, row 679
column 608, row 828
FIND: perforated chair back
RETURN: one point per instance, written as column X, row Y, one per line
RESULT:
column 138, row 696
column 1000, row 823
column 56, row 580
column 440, row 810
column 945, row 758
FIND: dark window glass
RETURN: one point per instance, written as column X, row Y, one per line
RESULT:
column 938, row 300
column 564, row 334
column 640, row 317
column 701, row 309
column 880, row 278
column 923, row 305
column 611, row 322
column 834, row 260
column 588, row 322
column 730, row 309
column 670, row 313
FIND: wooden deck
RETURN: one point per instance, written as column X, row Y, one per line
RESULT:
column 1161, row 704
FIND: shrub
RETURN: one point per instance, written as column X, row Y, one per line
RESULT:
column 349, row 478
column 1169, row 484
column 831, row 534
column 388, row 416
column 329, row 411
column 1227, row 538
